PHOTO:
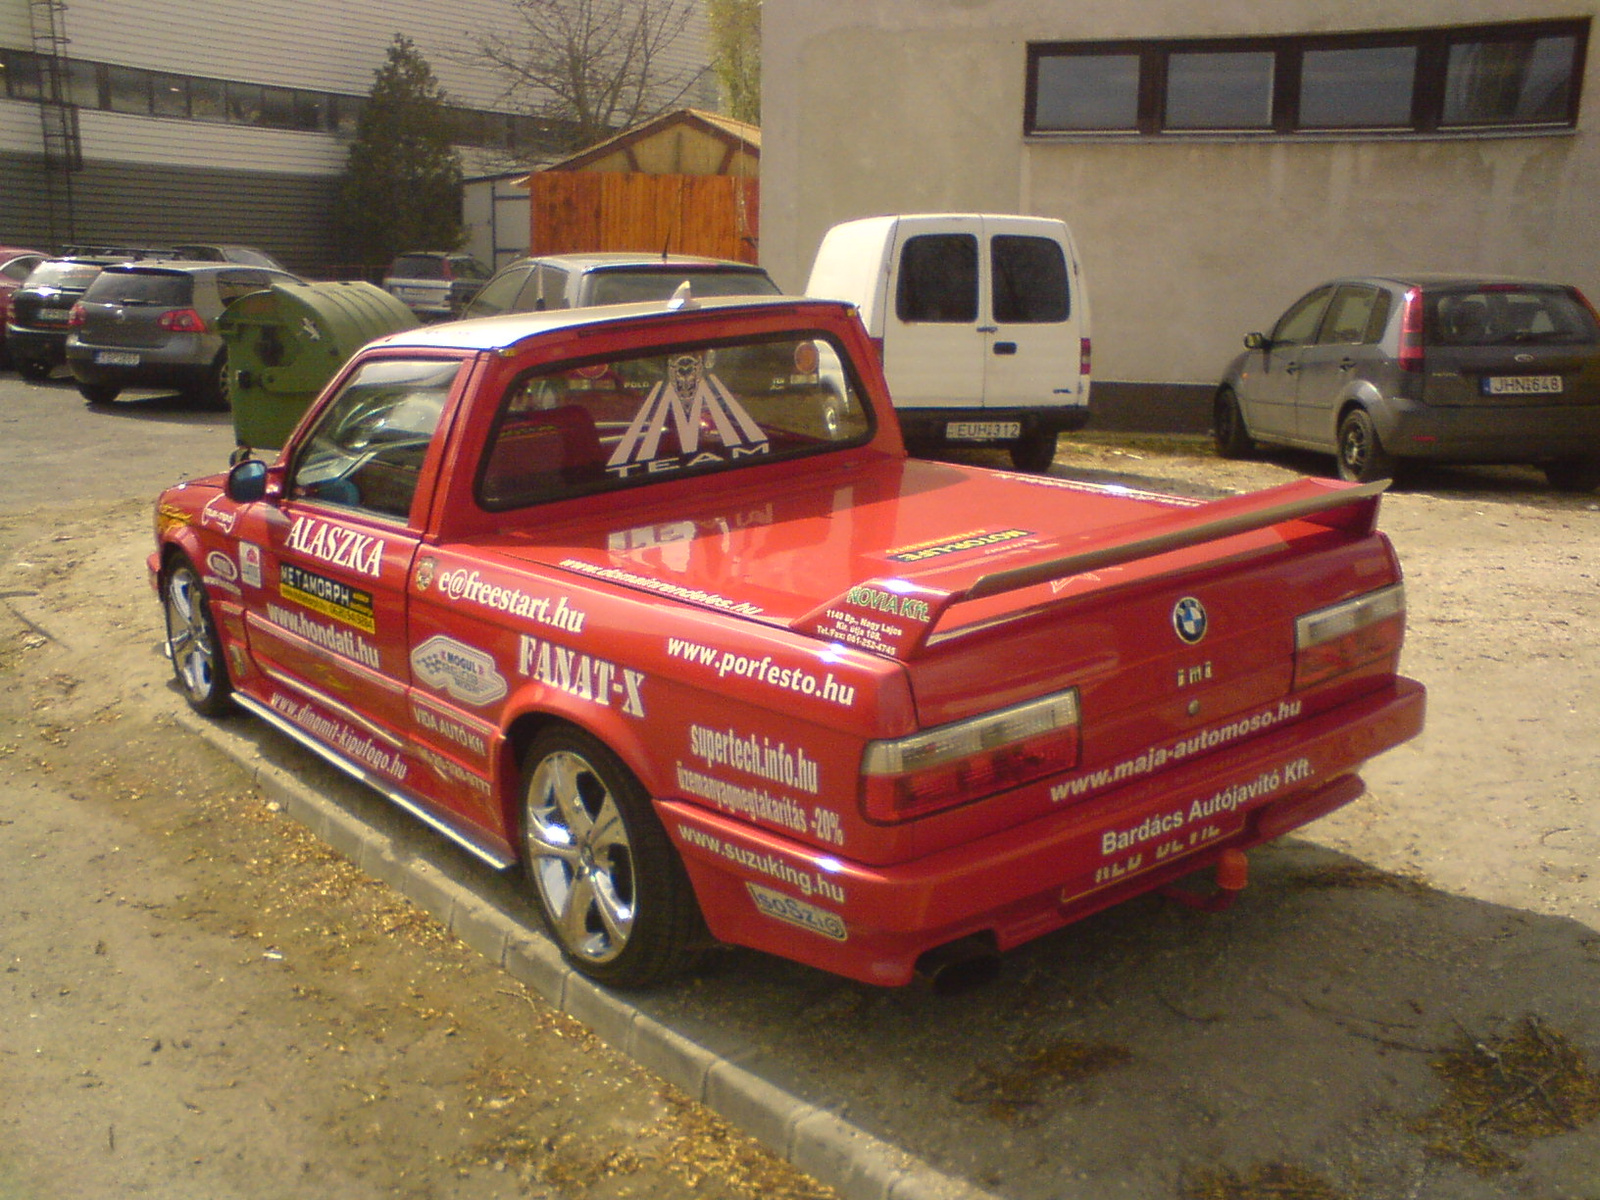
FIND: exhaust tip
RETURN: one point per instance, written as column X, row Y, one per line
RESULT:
column 962, row 965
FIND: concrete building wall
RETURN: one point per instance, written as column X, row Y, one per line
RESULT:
column 1190, row 240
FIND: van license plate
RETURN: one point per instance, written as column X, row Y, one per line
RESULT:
column 1522, row 385
column 983, row 431
column 116, row 358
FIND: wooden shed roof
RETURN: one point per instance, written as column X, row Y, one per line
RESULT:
column 741, row 139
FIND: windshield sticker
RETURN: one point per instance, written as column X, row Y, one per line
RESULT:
column 337, row 546
column 975, row 540
column 690, row 397
column 327, row 596
column 581, row 676
column 458, row 670
column 797, row 912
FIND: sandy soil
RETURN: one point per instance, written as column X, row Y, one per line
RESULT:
column 199, row 1000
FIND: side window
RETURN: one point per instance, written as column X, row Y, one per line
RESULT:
column 500, row 294
column 233, row 284
column 1349, row 315
column 553, row 287
column 1299, row 325
column 938, row 278
column 1030, row 280
column 367, row 447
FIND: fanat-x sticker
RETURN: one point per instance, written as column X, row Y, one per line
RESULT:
column 327, row 596
column 688, row 397
column 581, row 676
column 976, row 540
column 459, row 670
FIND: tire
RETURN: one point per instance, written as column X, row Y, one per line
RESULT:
column 607, row 880
column 1362, row 457
column 1034, row 452
column 1573, row 475
column 216, row 391
column 99, row 393
column 192, row 642
column 33, row 370
column 1228, row 429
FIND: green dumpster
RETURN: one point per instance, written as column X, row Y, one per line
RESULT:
column 286, row 342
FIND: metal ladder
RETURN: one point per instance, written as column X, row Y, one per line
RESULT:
column 58, row 116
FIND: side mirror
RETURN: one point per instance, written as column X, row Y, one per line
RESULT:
column 1257, row 341
column 247, row 481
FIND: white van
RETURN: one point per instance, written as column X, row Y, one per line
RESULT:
column 982, row 321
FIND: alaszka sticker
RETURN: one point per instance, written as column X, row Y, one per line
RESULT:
column 459, row 670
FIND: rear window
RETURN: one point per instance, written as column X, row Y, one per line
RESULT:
column 1514, row 315
column 141, row 287
column 938, row 278
column 63, row 274
column 628, row 287
column 418, row 266
column 1030, row 280
column 597, row 425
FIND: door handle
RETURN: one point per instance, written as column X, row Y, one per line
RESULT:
column 1005, row 347
column 1346, row 363
column 988, row 329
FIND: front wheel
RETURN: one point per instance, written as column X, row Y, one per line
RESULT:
column 1573, row 475
column 192, row 642
column 1034, row 452
column 1362, row 457
column 1228, row 429
column 610, row 886
column 99, row 393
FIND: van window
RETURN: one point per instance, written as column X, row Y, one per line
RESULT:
column 938, row 278
column 1030, row 280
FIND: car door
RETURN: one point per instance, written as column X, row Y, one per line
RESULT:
column 1034, row 353
column 328, row 564
column 932, row 353
column 1268, row 398
column 1342, row 354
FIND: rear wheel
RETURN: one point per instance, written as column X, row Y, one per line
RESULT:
column 1573, row 475
column 1228, row 429
column 192, row 642
column 215, row 391
column 1362, row 457
column 609, row 883
column 1034, row 452
column 33, row 370
column 99, row 393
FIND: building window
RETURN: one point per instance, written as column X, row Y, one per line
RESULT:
column 1462, row 80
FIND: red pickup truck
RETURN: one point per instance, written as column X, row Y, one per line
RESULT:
column 650, row 600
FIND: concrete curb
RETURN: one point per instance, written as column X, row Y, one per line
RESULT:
column 727, row 1078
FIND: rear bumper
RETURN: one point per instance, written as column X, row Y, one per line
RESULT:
column 159, row 368
column 1493, row 433
column 872, row 923
column 934, row 425
column 37, row 345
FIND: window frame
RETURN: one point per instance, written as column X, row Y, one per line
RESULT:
column 1430, row 69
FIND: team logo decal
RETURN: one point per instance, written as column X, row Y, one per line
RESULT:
column 688, row 397
column 425, row 569
column 1189, row 620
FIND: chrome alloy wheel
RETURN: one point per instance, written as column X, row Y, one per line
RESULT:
column 580, row 857
column 192, row 641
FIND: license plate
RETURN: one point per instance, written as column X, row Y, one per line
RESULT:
column 54, row 314
column 116, row 358
column 1522, row 385
column 983, row 431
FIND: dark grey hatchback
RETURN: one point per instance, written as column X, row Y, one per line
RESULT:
column 154, row 324
column 1381, row 369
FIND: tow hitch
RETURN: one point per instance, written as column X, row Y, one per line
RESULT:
column 1233, row 875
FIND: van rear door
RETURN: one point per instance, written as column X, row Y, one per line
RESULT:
column 1035, row 320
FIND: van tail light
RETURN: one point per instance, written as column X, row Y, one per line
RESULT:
column 953, row 764
column 1411, row 332
column 1345, row 637
column 1083, row 356
column 78, row 316
column 181, row 320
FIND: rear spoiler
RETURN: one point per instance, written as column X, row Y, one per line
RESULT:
column 893, row 615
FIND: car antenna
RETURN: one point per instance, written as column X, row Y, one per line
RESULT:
column 682, row 298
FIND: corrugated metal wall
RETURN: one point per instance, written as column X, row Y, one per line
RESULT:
column 288, row 216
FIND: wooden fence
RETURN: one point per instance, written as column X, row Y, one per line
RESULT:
column 574, row 211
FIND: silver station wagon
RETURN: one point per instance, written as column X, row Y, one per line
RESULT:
column 1379, row 370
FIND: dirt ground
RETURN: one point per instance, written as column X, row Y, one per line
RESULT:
column 199, row 1000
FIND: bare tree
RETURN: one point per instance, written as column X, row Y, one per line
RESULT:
column 592, row 66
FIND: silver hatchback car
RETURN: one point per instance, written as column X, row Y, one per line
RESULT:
column 1379, row 370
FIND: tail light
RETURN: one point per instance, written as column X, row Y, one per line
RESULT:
column 1345, row 637
column 1083, row 356
column 181, row 320
column 447, row 272
column 1411, row 332
column 78, row 316
column 953, row 764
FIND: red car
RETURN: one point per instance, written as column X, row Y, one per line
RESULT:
column 651, row 601
column 15, row 263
